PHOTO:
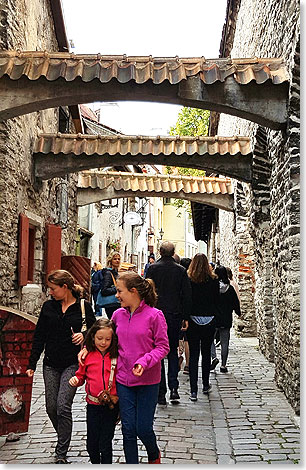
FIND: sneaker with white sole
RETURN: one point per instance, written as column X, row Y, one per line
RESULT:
column 207, row 389
column 214, row 363
column 193, row 396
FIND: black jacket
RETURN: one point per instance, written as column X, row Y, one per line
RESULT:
column 205, row 297
column 108, row 284
column 97, row 279
column 228, row 301
column 53, row 334
column 172, row 285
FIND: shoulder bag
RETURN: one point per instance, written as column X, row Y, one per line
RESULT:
column 107, row 300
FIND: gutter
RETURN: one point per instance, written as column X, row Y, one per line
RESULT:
column 63, row 46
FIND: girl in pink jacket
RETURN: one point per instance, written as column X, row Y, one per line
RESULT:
column 99, row 371
column 142, row 344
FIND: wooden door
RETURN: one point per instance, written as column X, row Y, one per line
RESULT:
column 80, row 268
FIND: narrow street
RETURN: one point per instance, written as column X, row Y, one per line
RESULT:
column 245, row 418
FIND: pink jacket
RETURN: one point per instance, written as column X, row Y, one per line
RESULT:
column 142, row 339
column 96, row 371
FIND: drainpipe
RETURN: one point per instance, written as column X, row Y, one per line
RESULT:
column 90, row 214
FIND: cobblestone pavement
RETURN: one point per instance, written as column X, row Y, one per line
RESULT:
column 245, row 418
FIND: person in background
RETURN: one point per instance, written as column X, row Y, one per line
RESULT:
column 202, row 323
column 101, row 343
column 228, row 301
column 151, row 260
column 233, row 282
column 96, row 285
column 110, row 275
column 174, row 300
column 142, row 344
column 58, row 334
column 176, row 258
column 183, row 342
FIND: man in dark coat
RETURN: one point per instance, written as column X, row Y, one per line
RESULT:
column 174, row 299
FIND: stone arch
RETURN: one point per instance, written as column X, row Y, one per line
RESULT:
column 254, row 89
column 99, row 186
column 58, row 154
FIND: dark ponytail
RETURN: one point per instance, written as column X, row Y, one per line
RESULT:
column 144, row 287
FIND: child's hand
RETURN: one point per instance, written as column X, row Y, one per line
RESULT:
column 82, row 355
column 74, row 381
column 137, row 370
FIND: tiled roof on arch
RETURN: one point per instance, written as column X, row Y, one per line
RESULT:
column 113, row 144
column 154, row 183
column 69, row 66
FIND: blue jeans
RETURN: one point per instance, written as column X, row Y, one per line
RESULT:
column 137, row 408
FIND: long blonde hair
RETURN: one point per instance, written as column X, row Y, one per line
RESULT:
column 110, row 258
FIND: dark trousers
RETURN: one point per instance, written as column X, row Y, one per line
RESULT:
column 137, row 408
column 101, row 423
column 200, row 338
column 110, row 310
column 59, row 395
column 174, row 324
column 224, row 334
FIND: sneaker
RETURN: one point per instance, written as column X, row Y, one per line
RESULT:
column 174, row 396
column 61, row 460
column 193, row 396
column 214, row 363
column 223, row 369
column 162, row 401
column 156, row 460
column 207, row 389
column 186, row 370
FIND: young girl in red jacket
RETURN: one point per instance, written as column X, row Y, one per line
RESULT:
column 142, row 344
column 99, row 371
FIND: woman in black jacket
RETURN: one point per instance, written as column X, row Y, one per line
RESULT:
column 110, row 275
column 58, row 332
column 228, row 301
column 202, row 323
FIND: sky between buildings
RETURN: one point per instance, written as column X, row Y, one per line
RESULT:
column 161, row 28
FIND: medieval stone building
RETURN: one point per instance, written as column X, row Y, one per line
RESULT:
column 264, row 229
column 37, row 218
column 259, row 240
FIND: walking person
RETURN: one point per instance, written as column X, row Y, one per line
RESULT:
column 174, row 299
column 151, row 260
column 227, row 302
column 96, row 286
column 183, row 342
column 202, row 323
column 59, row 333
column 99, row 371
column 142, row 344
column 110, row 275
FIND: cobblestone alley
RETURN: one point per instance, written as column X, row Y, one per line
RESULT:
column 244, row 419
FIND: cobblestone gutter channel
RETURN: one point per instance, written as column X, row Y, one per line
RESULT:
column 245, row 419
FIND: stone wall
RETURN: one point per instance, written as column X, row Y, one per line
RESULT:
column 28, row 26
column 271, row 29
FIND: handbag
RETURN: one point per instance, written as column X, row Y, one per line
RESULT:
column 107, row 300
column 105, row 397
